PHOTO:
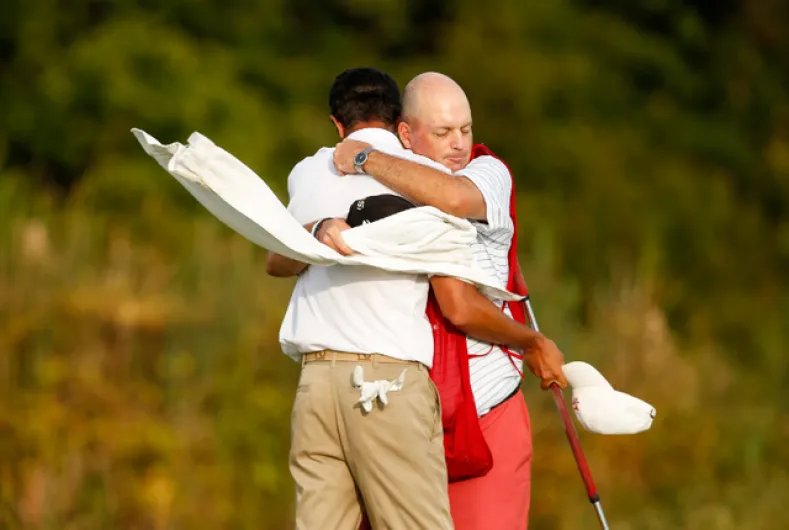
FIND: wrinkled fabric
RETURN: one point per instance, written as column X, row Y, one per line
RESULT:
column 422, row 240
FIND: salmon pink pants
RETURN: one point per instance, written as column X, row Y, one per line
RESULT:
column 500, row 499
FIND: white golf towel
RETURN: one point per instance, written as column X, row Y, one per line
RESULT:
column 600, row 408
column 420, row 240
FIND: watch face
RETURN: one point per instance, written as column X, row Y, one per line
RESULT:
column 360, row 159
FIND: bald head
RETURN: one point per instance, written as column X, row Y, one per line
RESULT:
column 437, row 120
column 427, row 91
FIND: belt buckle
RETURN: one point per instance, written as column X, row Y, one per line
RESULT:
column 363, row 356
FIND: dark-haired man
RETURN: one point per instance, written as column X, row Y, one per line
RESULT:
column 389, row 460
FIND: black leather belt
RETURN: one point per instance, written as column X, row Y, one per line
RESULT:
column 513, row 394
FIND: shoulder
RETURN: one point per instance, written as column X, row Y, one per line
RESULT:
column 487, row 164
column 322, row 160
column 310, row 167
column 488, row 173
column 409, row 155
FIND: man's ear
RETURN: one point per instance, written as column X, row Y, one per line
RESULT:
column 338, row 125
column 404, row 132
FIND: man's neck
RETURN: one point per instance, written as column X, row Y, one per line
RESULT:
column 370, row 125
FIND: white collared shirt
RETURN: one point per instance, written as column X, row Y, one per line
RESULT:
column 353, row 309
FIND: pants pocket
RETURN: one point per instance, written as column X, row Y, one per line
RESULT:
column 438, row 427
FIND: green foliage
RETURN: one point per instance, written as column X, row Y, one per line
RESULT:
column 141, row 383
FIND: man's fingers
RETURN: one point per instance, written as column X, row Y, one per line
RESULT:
column 557, row 379
column 548, row 380
column 338, row 242
column 545, row 384
column 332, row 244
column 340, row 163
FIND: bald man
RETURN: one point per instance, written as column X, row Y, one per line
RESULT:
column 437, row 123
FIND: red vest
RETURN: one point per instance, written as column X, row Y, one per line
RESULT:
column 467, row 453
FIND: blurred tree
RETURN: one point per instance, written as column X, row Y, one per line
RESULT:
column 650, row 142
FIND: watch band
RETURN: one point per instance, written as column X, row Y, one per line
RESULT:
column 317, row 226
column 361, row 158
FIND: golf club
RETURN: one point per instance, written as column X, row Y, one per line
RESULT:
column 572, row 437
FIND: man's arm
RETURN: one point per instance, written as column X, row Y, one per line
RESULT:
column 281, row 266
column 421, row 184
column 329, row 233
column 469, row 311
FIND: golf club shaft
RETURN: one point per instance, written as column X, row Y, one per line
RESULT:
column 572, row 437
column 580, row 459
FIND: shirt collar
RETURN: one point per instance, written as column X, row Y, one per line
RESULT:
column 378, row 138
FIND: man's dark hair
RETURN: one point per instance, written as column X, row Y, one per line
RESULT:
column 360, row 95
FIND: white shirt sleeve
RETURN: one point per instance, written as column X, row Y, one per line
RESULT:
column 493, row 180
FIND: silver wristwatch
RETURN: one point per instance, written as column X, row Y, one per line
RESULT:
column 360, row 159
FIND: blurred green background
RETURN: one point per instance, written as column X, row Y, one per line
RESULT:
column 141, row 382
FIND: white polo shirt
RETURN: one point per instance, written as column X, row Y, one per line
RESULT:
column 493, row 376
column 353, row 309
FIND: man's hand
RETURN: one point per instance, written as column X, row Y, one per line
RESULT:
column 345, row 152
column 330, row 234
column 545, row 361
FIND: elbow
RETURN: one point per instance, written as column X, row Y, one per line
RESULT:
column 457, row 301
column 281, row 267
column 458, row 314
column 272, row 271
column 271, row 267
column 456, row 204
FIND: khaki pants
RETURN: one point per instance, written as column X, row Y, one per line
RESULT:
column 389, row 461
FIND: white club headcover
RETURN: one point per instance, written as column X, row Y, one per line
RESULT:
column 600, row 408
